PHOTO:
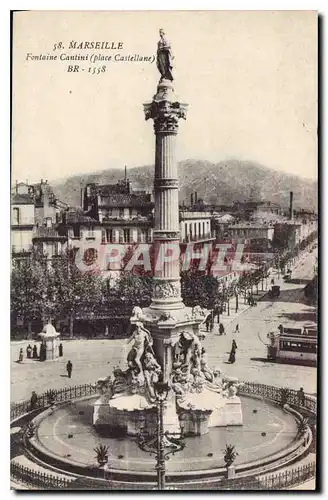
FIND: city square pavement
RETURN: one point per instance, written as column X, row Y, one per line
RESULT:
column 93, row 359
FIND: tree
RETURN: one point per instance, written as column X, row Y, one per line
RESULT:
column 197, row 289
column 74, row 292
column 30, row 290
column 131, row 290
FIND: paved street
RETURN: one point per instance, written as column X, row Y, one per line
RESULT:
column 96, row 358
column 254, row 324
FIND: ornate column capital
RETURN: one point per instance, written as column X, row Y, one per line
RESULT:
column 166, row 115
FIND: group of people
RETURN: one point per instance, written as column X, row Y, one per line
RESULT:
column 251, row 301
column 209, row 322
column 32, row 353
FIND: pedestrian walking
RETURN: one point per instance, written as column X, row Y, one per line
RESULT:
column 272, row 281
column 237, row 328
column 232, row 355
column 69, row 368
column 60, row 349
column 29, row 351
column 221, row 330
column 35, row 352
column 301, row 396
column 208, row 322
column 43, row 352
column 20, row 356
column 34, row 400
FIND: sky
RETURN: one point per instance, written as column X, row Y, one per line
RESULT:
column 249, row 77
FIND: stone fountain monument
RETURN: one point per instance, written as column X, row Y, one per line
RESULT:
column 165, row 341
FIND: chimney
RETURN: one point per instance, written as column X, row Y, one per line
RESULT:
column 291, row 211
column 196, row 197
column 192, row 199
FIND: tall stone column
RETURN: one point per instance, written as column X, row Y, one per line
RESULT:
column 165, row 110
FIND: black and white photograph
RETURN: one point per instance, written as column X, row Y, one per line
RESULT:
column 164, row 250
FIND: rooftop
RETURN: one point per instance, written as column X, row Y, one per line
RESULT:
column 22, row 199
column 116, row 200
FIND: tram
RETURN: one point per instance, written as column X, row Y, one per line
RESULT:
column 293, row 345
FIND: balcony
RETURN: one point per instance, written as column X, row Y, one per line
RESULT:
column 47, row 233
column 20, row 249
column 197, row 238
column 127, row 219
column 25, row 221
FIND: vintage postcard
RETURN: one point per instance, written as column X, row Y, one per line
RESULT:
column 164, row 242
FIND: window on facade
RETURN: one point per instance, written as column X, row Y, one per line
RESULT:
column 126, row 235
column 48, row 222
column 103, row 236
column 121, row 212
column 109, row 234
column 143, row 235
column 16, row 215
column 76, row 231
column 204, row 228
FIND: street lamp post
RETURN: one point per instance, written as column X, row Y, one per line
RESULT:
column 164, row 443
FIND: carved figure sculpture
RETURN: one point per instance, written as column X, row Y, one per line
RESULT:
column 180, row 381
column 230, row 388
column 164, row 57
column 152, row 370
column 141, row 341
column 209, row 375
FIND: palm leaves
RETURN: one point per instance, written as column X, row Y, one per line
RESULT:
column 302, row 427
column 30, row 430
column 284, row 396
column 229, row 454
column 51, row 395
column 102, row 454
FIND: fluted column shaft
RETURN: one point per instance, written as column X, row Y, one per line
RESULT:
column 165, row 112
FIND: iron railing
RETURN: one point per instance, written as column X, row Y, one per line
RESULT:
column 65, row 394
column 275, row 394
column 252, row 388
column 38, row 480
column 279, row 481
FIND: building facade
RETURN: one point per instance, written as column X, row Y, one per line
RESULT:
column 35, row 217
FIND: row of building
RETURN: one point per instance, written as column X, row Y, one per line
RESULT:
column 117, row 213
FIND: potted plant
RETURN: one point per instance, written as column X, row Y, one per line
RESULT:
column 51, row 395
column 284, row 396
column 101, row 454
column 30, row 430
column 229, row 457
column 302, row 427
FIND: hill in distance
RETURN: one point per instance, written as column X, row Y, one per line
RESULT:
column 216, row 183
